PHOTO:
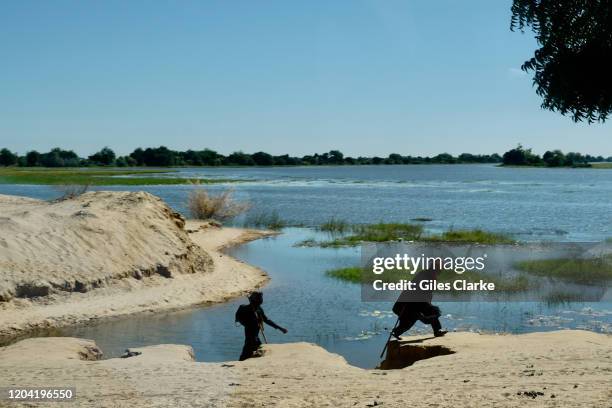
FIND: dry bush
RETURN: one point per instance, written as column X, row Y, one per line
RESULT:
column 220, row 207
column 70, row 191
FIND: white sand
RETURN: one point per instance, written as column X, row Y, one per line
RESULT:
column 485, row 371
column 127, row 253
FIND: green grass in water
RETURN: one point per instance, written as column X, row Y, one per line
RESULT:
column 265, row 219
column 581, row 271
column 380, row 232
column 90, row 176
column 350, row 274
column 384, row 232
column 335, row 225
column 559, row 297
column 508, row 285
column 475, row 235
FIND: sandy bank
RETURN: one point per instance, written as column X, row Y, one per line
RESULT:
column 109, row 254
column 483, row 371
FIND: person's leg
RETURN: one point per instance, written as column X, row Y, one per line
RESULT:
column 250, row 345
column 256, row 347
column 405, row 323
column 246, row 351
column 435, row 325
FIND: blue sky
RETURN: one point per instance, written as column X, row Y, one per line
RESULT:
column 368, row 77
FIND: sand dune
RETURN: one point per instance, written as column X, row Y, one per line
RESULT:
column 86, row 243
column 107, row 254
column 555, row 369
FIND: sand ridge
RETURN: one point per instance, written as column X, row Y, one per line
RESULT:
column 110, row 254
column 570, row 368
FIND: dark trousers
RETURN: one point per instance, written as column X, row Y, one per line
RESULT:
column 251, row 344
column 408, row 320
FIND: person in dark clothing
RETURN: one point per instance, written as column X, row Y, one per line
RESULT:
column 252, row 317
column 416, row 305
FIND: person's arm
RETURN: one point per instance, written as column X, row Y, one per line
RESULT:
column 271, row 323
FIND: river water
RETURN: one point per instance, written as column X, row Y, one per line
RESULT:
column 531, row 204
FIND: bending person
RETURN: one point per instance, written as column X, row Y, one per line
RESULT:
column 416, row 305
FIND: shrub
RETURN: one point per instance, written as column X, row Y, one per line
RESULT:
column 220, row 207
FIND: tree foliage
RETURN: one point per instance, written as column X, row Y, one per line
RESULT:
column 164, row 157
column 573, row 66
column 104, row 157
column 60, row 158
column 519, row 156
column 7, row 158
column 32, row 158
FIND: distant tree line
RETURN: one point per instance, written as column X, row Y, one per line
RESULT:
column 520, row 156
column 163, row 157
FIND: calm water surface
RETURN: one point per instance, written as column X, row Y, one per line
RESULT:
column 322, row 310
column 532, row 204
